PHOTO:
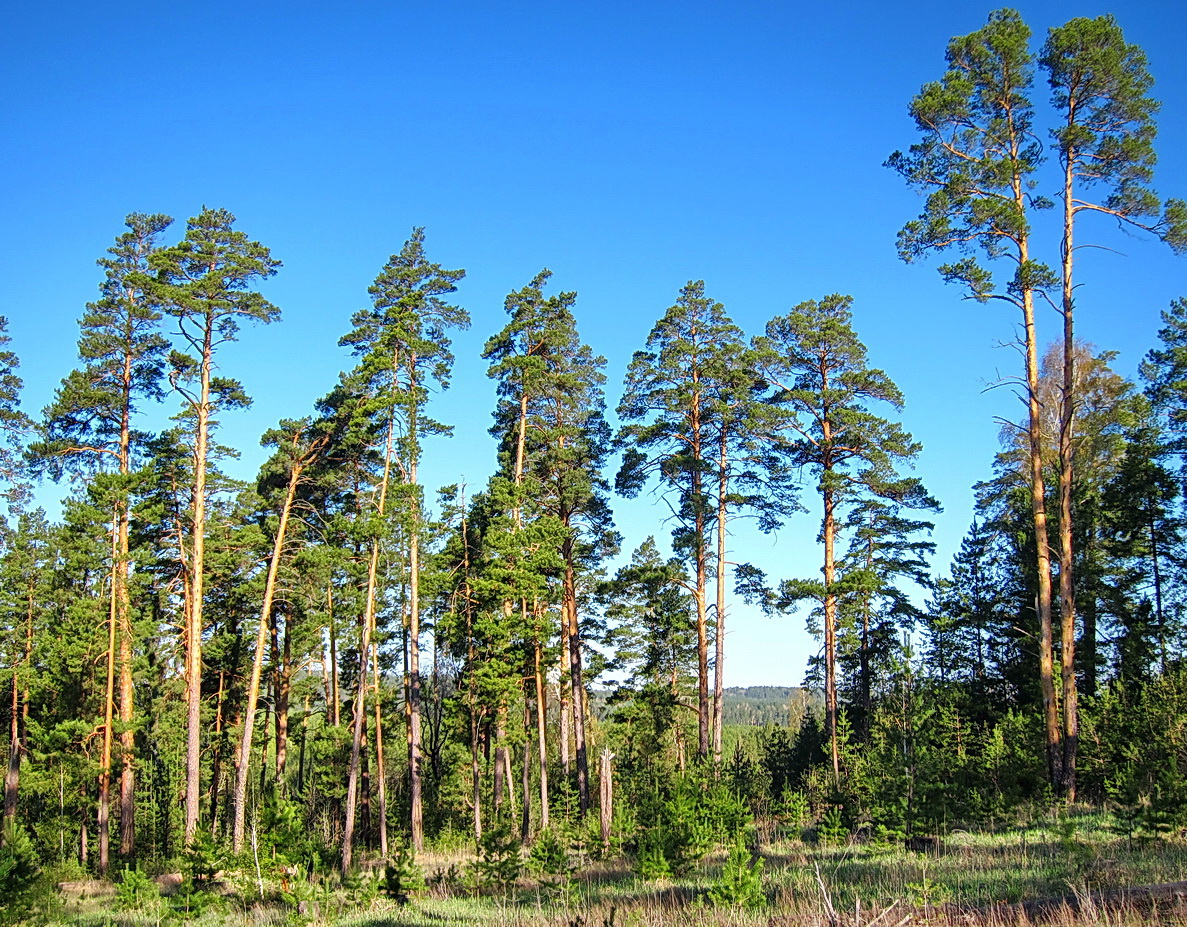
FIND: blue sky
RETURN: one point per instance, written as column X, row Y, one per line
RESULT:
column 628, row 147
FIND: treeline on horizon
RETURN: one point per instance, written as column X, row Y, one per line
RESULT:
column 340, row 657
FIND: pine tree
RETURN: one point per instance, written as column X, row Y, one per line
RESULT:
column 886, row 548
column 552, row 405
column 1100, row 86
column 300, row 445
column 89, row 427
column 672, row 392
column 404, row 350
column 651, row 609
column 976, row 161
column 26, row 556
column 819, row 378
column 205, row 283
column 529, row 357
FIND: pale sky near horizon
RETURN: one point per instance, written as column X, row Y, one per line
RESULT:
column 628, row 147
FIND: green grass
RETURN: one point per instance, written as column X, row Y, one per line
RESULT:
column 972, row 879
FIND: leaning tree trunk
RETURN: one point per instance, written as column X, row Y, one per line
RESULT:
column 239, row 813
column 360, row 711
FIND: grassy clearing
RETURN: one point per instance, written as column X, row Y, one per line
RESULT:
column 975, row 878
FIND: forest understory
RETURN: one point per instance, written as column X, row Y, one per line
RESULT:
column 1078, row 867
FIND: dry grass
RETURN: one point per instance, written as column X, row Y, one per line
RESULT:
column 1064, row 873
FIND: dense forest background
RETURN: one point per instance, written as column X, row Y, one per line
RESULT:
column 350, row 652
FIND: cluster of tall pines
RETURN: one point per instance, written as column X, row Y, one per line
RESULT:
column 347, row 657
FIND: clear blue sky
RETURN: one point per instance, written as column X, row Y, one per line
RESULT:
column 628, row 147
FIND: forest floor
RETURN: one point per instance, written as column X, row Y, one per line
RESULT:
column 1070, row 871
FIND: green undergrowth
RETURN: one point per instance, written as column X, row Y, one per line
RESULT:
column 792, row 879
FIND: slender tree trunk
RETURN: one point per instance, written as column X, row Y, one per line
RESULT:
column 104, row 820
column 216, row 762
column 360, row 712
column 704, row 709
column 565, row 700
column 197, row 591
column 829, row 533
column 365, row 787
column 239, row 814
column 525, row 778
column 867, row 706
column 541, row 733
column 126, row 708
column 123, row 607
column 576, row 675
column 335, row 698
column 380, row 762
column 719, row 664
column 1051, row 717
column 1067, row 598
column 606, row 796
column 471, row 681
column 415, row 761
column 500, row 770
column 284, row 688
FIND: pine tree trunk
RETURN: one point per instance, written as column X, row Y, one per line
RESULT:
column 565, row 699
column 828, row 532
column 1067, row 590
column 704, row 709
column 239, row 813
column 380, row 761
column 104, row 814
column 197, row 591
column 415, row 751
column 360, row 712
column 541, row 734
column 216, row 761
column 500, row 770
column 472, row 685
column 719, row 664
column 1051, row 715
column 606, row 795
column 284, row 688
column 122, row 595
column 576, row 676
column 525, row 778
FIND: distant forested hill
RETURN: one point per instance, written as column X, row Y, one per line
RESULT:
column 781, row 706
column 762, row 705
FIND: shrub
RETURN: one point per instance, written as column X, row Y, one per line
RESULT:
column 402, row 877
column 499, row 861
column 19, row 871
column 740, row 883
column 135, row 890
